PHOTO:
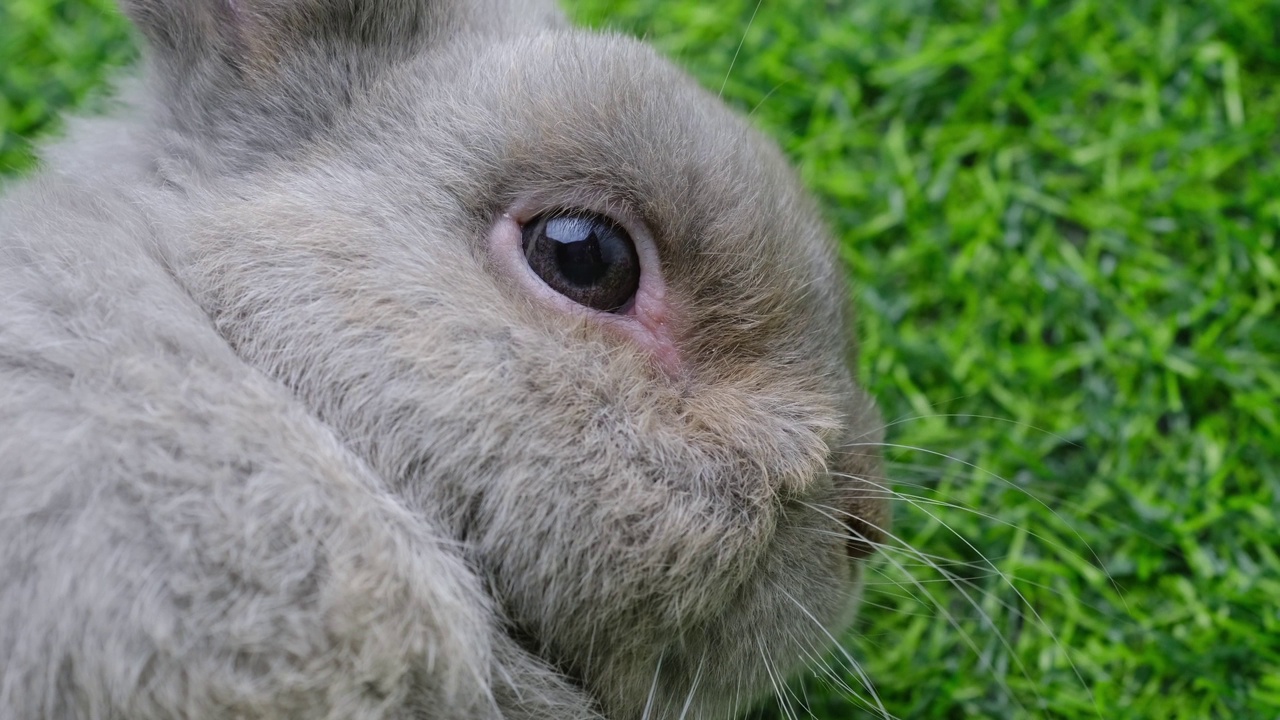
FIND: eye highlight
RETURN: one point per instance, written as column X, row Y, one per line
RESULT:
column 585, row 257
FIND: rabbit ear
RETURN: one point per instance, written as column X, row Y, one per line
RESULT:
column 257, row 32
column 261, row 74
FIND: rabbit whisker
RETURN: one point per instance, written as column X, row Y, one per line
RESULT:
column 1058, row 500
column 976, row 416
column 853, row 664
column 939, row 563
column 741, row 41
column 827, row 671
column 1021, row 597
column 920, row 501
column 693, row 687
column 767, row 95
column 783, row 703
column 951, row 619
column 737, row 694
column 1058, row 516
column 653, row 691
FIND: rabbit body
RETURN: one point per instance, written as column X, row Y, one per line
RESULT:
column 279, row 439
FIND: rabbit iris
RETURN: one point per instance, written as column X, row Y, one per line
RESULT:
column 587, row 258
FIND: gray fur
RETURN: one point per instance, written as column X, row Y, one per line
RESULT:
column 277, row 441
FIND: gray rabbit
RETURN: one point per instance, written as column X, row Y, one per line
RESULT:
column 394, row 359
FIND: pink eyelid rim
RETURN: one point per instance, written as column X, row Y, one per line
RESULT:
column 646, row 323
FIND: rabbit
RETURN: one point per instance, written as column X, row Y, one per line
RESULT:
column 419, row 359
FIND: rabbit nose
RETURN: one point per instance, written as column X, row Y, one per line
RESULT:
column 863, row 507
column 864, row 536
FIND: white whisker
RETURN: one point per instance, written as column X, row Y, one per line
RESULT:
column 853, row 664
column 1097, row 559
column 693, row 687
column 946, row 614
column 653, row 691
column 742, row 41
column 1026, row 603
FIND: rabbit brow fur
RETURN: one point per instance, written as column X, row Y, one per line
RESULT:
column 278, row 440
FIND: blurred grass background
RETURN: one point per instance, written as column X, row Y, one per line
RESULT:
column 1060, row 220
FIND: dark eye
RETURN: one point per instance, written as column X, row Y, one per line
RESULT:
column 586, row 257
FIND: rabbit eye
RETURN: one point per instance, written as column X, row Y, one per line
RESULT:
column 586, row 257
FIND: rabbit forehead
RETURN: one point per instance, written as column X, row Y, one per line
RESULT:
column 581, row 113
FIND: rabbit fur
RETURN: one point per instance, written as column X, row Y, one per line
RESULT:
column 279, row 439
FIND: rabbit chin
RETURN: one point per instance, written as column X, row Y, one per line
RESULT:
column 724, row 626
column 666, row 593
column 784, row 619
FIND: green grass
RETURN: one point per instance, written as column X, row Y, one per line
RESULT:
column 1060, row 218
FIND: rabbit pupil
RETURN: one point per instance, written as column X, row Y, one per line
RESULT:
column 586, row 257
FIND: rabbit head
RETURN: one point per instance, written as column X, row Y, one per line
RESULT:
column 560, row 298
